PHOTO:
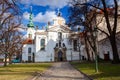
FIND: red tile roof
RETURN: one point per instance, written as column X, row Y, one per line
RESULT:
column 28, row 41
column 109, row 10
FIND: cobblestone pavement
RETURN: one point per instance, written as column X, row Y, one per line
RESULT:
column 62, row 71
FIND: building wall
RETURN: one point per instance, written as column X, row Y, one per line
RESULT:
column 105, row 47
column 25, row 53
column 51, row 38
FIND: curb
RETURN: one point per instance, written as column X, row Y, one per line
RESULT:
column 35, row 77
column 38, row 74
column 82, row 72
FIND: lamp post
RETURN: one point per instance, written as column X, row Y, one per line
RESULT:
column 0, row 25
column 33, row 54
column 95, row 48
column 71, row 53
column 79, row 45
column 51, row 57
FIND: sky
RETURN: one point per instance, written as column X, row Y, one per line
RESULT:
column 43, row 10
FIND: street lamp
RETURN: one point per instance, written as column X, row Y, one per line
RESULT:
column 79, row 46
column 33, row 54
column 71, row 53
column 95, row 48
column 51, row 57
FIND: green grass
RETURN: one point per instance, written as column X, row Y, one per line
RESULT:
column 22, row 71
column 107, row 71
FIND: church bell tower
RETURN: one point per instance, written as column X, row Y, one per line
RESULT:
column 30, row 26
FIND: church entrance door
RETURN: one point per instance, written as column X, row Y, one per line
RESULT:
column 60, row 56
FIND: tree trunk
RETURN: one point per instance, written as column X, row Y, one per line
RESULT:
column 5, row 62
column 86, row 47
column 10, row 62
column 114, row 49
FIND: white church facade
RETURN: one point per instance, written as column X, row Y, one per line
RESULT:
column 50, row 44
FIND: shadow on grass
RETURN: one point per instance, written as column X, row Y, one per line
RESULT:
column 106, row 70
column 17, row 73
column 30, row 65
column 24, row 69
column 104, row 75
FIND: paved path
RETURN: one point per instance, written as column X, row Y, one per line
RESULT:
column 62, row 71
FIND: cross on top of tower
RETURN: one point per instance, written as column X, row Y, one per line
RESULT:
column 30, row 9
column 58, row 13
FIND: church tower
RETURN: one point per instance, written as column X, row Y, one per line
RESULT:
column 58, row 20
column 30, row 26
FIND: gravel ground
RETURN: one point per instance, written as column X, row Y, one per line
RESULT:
column 62, row 71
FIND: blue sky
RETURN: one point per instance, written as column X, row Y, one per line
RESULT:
column 43, row 10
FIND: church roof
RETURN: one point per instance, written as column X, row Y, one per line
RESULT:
column 28, row 41
column 64, row 28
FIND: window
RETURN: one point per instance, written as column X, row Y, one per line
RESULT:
column 75, row 45
column 69, row 41
column 56, row 45
column 63, row 45
column 59, row 35
column 42, row 44
column 30, row 36
column 29, row 50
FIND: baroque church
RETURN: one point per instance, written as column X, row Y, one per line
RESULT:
column 54, row 43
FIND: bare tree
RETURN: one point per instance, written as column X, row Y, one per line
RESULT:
column 83, row 15
column 102, row 5
column 10, row 36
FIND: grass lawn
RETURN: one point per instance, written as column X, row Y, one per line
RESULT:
column 107, row 71
column 22, row 71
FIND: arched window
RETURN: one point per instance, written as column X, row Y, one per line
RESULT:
column 29, row 50
column 30, row 36
column 42, row 44
column 59, row 35
column 75, row 45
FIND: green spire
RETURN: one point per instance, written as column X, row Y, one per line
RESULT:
column 30, row 19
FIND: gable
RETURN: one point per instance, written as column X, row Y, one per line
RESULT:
column 60, row 28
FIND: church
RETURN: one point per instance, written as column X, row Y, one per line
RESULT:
column 54, row 43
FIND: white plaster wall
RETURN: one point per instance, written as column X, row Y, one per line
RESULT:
column 104, row 47
column 38, row 40
column 25, row 51
column 73, row 54
column 31, row 31
column 42, row 56
column 48, row 54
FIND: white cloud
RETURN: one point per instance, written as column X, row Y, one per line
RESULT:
column 50, row 3
column 26, row 15
column 40, row 17
column 44, row 18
